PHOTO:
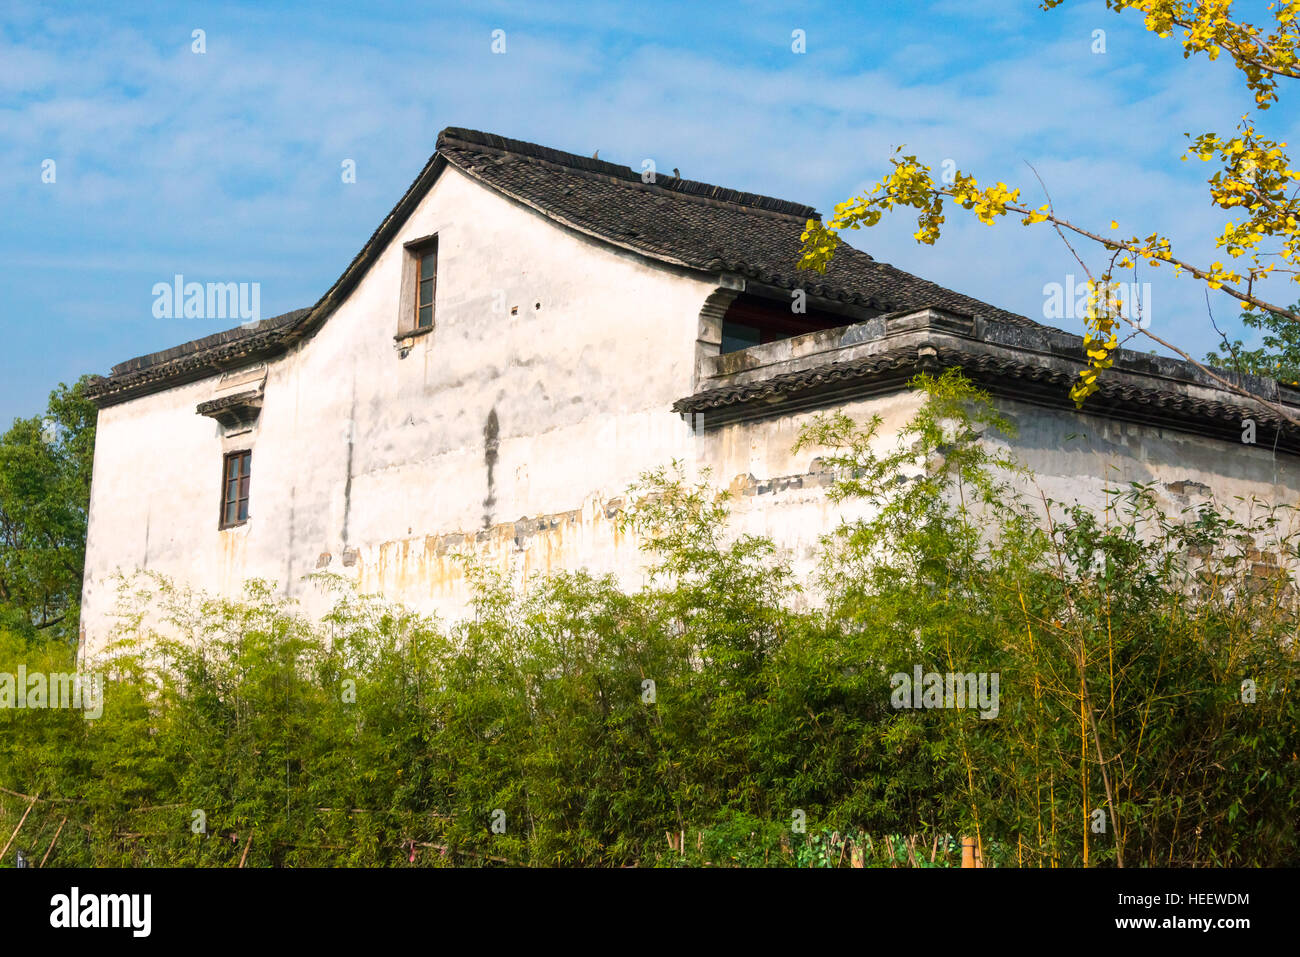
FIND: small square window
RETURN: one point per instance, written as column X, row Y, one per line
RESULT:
column 236, row 472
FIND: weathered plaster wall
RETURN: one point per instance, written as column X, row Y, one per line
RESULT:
column 359, row 454
column 517, row 435
column 1078, row 456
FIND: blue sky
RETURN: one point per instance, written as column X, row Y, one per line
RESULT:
column 225, row 166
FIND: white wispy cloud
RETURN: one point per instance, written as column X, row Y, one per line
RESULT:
column 226, row 164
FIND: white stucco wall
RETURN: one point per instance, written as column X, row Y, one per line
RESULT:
column 370, row 465
column 358, row 449
column 1079, row 456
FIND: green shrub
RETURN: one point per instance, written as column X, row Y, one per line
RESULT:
column 378, row 737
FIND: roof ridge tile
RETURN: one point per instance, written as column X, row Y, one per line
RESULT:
column 455, row 136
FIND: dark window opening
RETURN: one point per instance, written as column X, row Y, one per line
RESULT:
column 235, row 474
column 753, row 321
column 736, row 337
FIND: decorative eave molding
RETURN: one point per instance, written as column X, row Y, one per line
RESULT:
column 235, row 412
column 190, row 367
column 881, row 355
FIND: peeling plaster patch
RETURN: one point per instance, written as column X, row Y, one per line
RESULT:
column 817, row 476
column 234, row 549
column 1188, row 487
column 541, row 545
column 430, row 566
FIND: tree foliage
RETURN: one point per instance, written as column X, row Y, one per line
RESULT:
column 45, row 464
column 713, row 716
column 1255, row 184
column 1278, row 356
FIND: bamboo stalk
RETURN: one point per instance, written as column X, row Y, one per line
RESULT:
column 1105, row 780
column 1038, row 781
column 52, row 840
column 1083, row 753
column 443, row 848
column 20, row 825
column 28, row 797
column 965, row 755
column 1051, row 803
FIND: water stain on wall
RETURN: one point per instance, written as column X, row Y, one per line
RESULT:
column 491, row 443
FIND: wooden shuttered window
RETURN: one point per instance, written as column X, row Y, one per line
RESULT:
column 236, row 472
column 426, row 283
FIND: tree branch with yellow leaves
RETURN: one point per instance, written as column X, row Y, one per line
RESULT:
column 1256, row 182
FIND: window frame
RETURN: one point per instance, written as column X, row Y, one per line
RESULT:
column 427, row 251
column 408, row 317
column 773, row 321
column 242, row 491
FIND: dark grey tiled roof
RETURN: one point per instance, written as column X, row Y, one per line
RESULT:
column 214, row 341
column 692, row 224
column 676, row 221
